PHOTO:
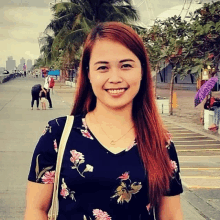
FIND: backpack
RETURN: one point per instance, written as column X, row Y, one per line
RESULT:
column 51, row 82
column 209, row 103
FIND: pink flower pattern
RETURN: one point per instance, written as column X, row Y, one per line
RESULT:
column 132, row 145
column 76, row 156
column 84, row 123
column 170, row 137
column 85, row 131
column 64, row 193
column 124, row 176
column 101, row 215
column 86, row 134
column 55, row 145
column 174, row 165
column 148, row 208
column 77, row 159
column 46, row 129
column 48, row 177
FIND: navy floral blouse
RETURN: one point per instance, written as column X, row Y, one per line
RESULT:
column 96, row 184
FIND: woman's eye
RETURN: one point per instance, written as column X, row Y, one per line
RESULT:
column 127, row 66
column 102, row 68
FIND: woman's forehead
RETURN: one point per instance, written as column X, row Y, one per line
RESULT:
column 110, row 51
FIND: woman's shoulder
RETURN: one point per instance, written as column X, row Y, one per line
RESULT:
column 59, row 123
column 171, row 148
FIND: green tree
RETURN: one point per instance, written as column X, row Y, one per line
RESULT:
column 165, row 42
column 153, row 40
column 203, row 46
column 73, row 21
column 40, row 62
column 46, row 43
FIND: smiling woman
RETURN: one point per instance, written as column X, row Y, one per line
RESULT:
column 115, row 80
column 119, row 161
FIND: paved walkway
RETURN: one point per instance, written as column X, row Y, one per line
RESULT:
column 199, row 157
column 19, row 132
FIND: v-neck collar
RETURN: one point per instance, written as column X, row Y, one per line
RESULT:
column 80, row 123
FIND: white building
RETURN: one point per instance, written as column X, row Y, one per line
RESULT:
column 29, row 64
column 10, row 64
column 22, row 62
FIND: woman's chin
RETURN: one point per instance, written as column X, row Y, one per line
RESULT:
column 119, row 106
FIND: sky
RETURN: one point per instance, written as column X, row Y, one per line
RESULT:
column 23, row 21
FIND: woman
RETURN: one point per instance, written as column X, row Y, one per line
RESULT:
column 119, row 162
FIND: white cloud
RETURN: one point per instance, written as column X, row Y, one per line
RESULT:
column 20, row 37
column 31, row 55
column 27, row 50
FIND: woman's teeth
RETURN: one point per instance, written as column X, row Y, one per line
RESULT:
column 116, row 91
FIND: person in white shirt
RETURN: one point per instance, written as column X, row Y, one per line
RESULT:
column 46, row 87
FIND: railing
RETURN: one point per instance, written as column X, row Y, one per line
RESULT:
column 6, row 77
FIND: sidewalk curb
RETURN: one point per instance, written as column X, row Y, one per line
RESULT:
column 189, row 126
column 199, row 206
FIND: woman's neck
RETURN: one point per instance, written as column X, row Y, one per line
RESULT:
column 113, row 117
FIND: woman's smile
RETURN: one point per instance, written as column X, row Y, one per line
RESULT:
column 116, row 92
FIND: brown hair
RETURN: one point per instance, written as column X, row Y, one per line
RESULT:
column 150, row 133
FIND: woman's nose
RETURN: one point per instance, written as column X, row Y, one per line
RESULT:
column 115, row 76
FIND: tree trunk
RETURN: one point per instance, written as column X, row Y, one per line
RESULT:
column 155, row 85
column 171, row 93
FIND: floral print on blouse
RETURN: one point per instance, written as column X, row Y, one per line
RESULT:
column 96, row 184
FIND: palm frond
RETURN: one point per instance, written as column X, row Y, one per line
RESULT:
column 75, row 37
column 129, row 11
column 117, row 16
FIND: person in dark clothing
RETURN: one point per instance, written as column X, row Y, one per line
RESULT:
column 48, row 98
column 35, row 91
column 47, row 88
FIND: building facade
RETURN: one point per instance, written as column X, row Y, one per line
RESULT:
column 22, row 62
column 10, row 64
column 29, row 64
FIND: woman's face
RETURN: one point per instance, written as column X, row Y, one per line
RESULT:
column 115, row 74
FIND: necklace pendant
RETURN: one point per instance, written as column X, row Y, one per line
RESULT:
column 112, row 143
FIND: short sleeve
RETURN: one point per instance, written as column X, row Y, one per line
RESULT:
column 43, row 163
column 175, row 182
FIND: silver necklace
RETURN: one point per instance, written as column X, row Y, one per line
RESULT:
column 113, row 142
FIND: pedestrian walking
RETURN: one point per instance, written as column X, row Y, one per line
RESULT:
column 25, row 69
column 43, row 94
column 47, row 88
column 119, row 162
column 35, row 91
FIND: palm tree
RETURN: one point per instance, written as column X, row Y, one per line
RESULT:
column 46, row 43
column 73, row 20
column 40, row 62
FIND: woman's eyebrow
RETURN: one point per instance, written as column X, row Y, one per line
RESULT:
column 121, row 61
column 125, row 60
column 101, row 62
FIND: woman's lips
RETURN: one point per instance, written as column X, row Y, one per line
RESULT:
column 116, row 92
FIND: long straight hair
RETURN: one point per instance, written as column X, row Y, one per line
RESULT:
column 151, row 135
